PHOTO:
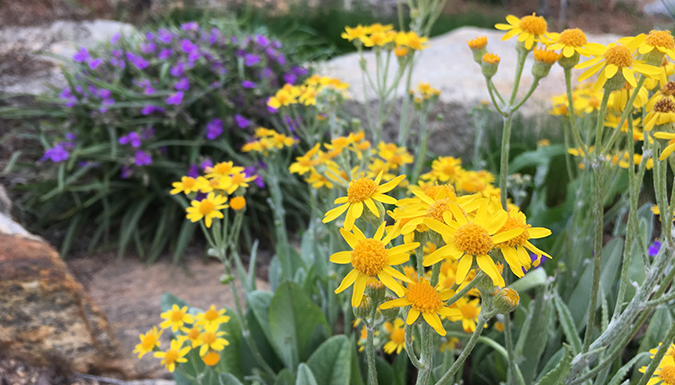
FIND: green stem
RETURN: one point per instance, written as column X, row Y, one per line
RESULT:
column 514, row 374
column 427, row 356
column 370, row 347
column 491, row 90
column 598, row 205
column 409, row 347
column 404, row 127
column 189, row 377
column 504, row 162
column 533, row 87
column 466, row 288
column 579, row 143
column 626, row 112
column 420, row 156
column 568, row 156
column 600, row 124
column 522, row 55
column 487, row 341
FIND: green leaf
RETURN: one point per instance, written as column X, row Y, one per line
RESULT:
column 331, row 362
column 658, row 327
column 129, row 222
column 385, row 374
column 541, row 156
column 305, row 376
column 567, row 323
column 187, row 229
column 541, row 311
column 259, row 302
column 230, row 359
column 532, row 279
column 558, row 374
column 228, row 379
column 285, row 377
column 621, row 373
column 168, row 300
column 274, row 273
column 293, row 318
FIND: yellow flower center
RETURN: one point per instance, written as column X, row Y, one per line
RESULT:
column 238, row 178
column 660, row 39
column 171, row 356
column 189, row 183
column 205, row 208
column 398, row 336
column 424, row 297
column 511, row 296
column 437, row 209
column 619, row 55
column 238, row 203
column 477, row 43
column 149, row 341
column 468, row 311
column 211, row 315
column 668, row 374
column 222, row 168
column 177, row 316
column 433, row 190
column 193, row 334
column 369, row 257
column 573, row 38
column 664, row 105
column 473, row 239
column 514, row 223
column 668, row 89
column 491, row 58
column 211, row 359
column 209, row 337
column 535, row 25
column 361, row 189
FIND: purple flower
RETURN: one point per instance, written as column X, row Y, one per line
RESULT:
column 654, row 248
column 117, row 53
column 105, row 103
column 262, row 40
column 137, row 61
column 206, row 163
column 177, row 70
column 251, row 171
column 95, row 63
column 56, row 154
column 187, row 46
column 290, row 78
column 148, row 48
column 266, row 73
column 131, row 138
column 251, row 59
column 81, row 56
column 149, row 109
column 70, row 99
column 165, row 53
column 299, row 71
column 242, row 122
column 191, row 26
column 142, row 158
column 182, row 85
column 194, row 171
column 248, row 84
column 175, row 99
column 271, row 110
column 149, row 90
column 149, row 35
column 147, row 133
column 164, row 36
column 214, row 128
column 71, row 136
column 215, row 34
column 104, row 94
column 126, row 172
column 281, row 59
column 114, row 38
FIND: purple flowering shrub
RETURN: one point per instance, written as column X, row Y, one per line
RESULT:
column 143, row 111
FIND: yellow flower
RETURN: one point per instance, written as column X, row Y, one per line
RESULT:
column 446, row 168
column 467, row 311
column 186, row 185
column 396, row 332
column 208, row 208
column 148, row 342
column 449, row 345
column 394, row 156
column 477, row 43
column 194, row 335
column 238, row 203
column 411, row 40
column 571, row 41
column 530, row 29
column 619, row 98
column 212, row 317
column 370, row 258
column 545, row 56
column 304, row 164
column 466, row 240
column 176, row 318
column 423, row 299
column 666, row 92
column 379, row 39
column 491, row 58
column 222, row 169
column 514, row 249
column 317, row 180
column 663, row 113
column 616, row 59
column 667, row 69
column 448, row 277
column 379, row 28
column 357, row 32
column 665, row 372
column 281, row 98
column 661, row 41
column 665, row 153
column 211, row 340
column 174, row 355
column 613, row 121
column 362, row 191
column 238, row 180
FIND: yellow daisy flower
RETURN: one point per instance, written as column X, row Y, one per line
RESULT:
column 370, row 258
column 194, row 335
column 212, row 317
column 530, row 29
column 211, row 358
column 362, row 191
column 317, row 180
column 222, row 169
column 666, row 92
column 613, row 120
column 661, row 41
column 467, row 311
column 467, row 240
column 570, row 41
column 446, row 168
column 616, row 59
column 208, row 208
column 662, row 113
column 282, row 98
column 176, row 318
column 148, row 342
column 211, row 340
column 515, row 250
column 425, row 300
column 667, row 69
column 665, row 153
column 664, row 373
column 396, row 332
column 206, row 186
column 174, row 355
column 238, row 180
column 357, row 32
column 186, row 185
column 619, row 99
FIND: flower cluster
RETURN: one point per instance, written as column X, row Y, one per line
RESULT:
column 199, row 331
column 380, row 36
column 307, row 92
column 268, row 140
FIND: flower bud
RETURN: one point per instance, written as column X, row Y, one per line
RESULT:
column 369, row 217
column 364, row 308
column 543, row 60
column 490, row 64
column 226, row 278
column 569, row 62
column 506, row 300
column 392, row 312
column 211, row 358
column 375, row 289
column 478, row 47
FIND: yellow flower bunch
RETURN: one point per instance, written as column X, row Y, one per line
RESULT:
column 268, row 141
column 424, row 91
column 384, row 36
column 307, row 92
column 199, row 331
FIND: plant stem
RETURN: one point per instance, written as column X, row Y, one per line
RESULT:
column 422, row 150
column 487, row 341
column 466, row 288
column 579, row 143
column 370, row 347
column 409, row 347
column 504, row 162
column 598, row 205
column 514, row 374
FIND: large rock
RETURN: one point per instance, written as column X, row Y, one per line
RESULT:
column 46, row 317
column 23, row 69
column 448, row 65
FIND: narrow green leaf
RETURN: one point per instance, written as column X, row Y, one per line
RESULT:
column 285, row 377
column 228, row 379
column 567, row 323
column 129, row 224
column 184, row 238
column 558, row 374
column 623, row 371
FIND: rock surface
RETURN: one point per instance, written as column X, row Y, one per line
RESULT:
column 24, row 70
column 46, row 317
column 448, row 65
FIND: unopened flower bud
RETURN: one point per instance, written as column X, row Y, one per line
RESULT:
column 356, row 125
column 569, row 62
column 478, row 48
column 543, row 61
column 490, row 64
column 506, row 300
column 226, row 278
column 364, row 308
column 371, row 218
column 392, row 312
column 375, row 289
